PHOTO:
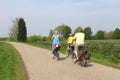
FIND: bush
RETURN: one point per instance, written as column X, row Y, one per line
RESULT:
column 104, row 47
column 34, row 38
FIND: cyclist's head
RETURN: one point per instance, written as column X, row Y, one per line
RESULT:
column 70, row 34
column 56, row 32
column 80, row 29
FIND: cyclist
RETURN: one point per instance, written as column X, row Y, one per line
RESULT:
column 69, row 44
column 55, row 43
column 79, row 38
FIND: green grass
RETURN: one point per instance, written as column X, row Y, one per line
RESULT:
column 11, row 64
column 47, row 45
column 106, row 60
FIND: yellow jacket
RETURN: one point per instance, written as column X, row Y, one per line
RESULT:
column 79, row 37
column 70, row 40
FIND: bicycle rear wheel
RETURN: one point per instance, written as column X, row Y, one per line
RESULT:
column 84, row 63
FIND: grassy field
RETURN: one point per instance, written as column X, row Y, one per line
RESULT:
column 11, row 64
column 105, row 59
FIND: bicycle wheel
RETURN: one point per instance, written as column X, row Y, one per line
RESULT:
column 84, row 63
column 73, row 57
column 67, row 53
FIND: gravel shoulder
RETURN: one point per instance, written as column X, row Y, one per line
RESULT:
column 41, row 66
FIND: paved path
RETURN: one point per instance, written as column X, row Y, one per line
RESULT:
column 41, row 66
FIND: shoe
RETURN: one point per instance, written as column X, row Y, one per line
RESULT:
column 76, row 61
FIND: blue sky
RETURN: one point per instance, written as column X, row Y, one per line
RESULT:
column 43, row 15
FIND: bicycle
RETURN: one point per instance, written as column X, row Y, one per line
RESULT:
column 70, row 50
column 84, row 57
column 55, row 52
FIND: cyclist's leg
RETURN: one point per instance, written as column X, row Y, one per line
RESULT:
column 76, row 54
column 76, row 51
column 68, row 49
column 57, row 52
column 53, row 52
column 78, row 47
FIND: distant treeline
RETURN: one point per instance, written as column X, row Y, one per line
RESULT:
column 65, row 30
column 18, row 32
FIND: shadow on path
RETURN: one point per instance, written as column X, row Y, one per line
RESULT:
column 63, row 58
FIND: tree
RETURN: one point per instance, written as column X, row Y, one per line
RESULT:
column 22, row 31
column 14, row 30
column 64, row 30
column 100, row 35
column 116, row 33
column 50, row 34
column 88, row 33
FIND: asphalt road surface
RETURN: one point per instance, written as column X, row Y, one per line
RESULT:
column 41, row 66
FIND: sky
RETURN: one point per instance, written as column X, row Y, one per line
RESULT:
column 41, row 16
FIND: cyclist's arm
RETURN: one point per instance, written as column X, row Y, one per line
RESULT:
column 74, row 38
column 52, row 37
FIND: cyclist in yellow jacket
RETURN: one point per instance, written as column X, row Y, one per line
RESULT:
column 70, row 39
column 69, row 43
column 79, row 38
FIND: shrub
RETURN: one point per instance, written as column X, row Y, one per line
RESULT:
column 104, row 47
column 34, row 38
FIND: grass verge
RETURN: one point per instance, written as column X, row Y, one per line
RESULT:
column 11, row 64
column 106, row 60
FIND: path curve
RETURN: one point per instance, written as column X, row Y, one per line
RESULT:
column 41, row 66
